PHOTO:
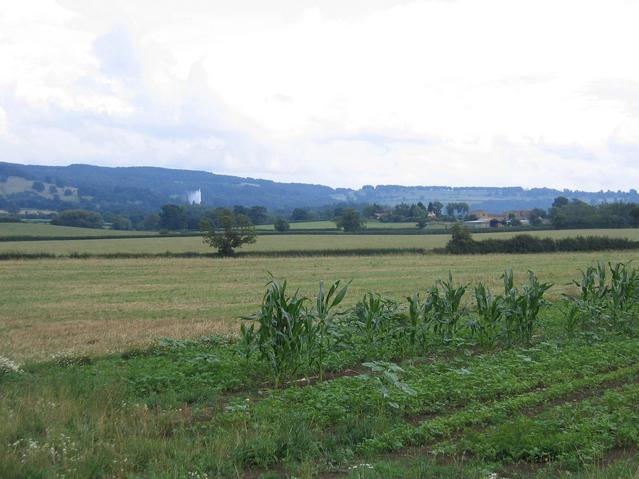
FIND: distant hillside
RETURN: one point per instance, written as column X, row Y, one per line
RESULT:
column 148, row 188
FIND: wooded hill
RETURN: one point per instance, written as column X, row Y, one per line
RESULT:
column 148, row 188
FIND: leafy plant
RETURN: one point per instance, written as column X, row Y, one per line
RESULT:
column 387, row 376
column 521, row 310
column 323, row 329
column 372, row 315
column 416, row 320
column 604, row 301
column 488, row 324
column 443, row 308
column 284, row 330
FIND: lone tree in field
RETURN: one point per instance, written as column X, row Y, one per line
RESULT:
column 281, row 225
column 461, row 241
column 349, row 220
column 235, row 230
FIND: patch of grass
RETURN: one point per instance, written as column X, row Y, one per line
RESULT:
column 269, row 243
column 101, row 306
column 43, row 229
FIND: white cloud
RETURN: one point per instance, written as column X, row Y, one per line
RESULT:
column 536, row 93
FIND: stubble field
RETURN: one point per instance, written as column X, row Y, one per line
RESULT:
column 102, row 305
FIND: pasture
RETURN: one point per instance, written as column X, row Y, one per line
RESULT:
column 101, row 305
column 292, row 243
column 45, row 229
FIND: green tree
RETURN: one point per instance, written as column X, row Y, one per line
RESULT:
column 535, row 216
column 236, row 230
column 281, row 225
column 258, row 215
column 349, row 220
column 121, row 223
column 560, row 201
column 172, row 217
column 461, row 241
column 299, row 214
column 38, row 186
column 634, row 216
column 438, row 206
column 79, row 218
column 151, row 222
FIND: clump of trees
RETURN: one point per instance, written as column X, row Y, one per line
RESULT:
column 79, row 218
column 349, row 220
column 575, row 213
column 235, row 230
column 463, row 243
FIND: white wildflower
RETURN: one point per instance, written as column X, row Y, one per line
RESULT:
column 8, row 366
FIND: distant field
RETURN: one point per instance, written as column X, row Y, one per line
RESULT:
column 54, row 306
column 40, row 229
column 330, row 225
column 298, row 242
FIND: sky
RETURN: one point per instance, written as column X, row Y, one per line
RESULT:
column 529, row 93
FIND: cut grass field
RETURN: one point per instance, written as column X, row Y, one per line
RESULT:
column 44, row 229
column 298, row 242
column 101, row 305
column 330, row 225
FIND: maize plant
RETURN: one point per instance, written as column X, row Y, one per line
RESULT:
column 487, row 326
column 285, row 330
column 443, row 308
column 521, row 310
column 372, row 316
column 323, row 327
column 604, row 301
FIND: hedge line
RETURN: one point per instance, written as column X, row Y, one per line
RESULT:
column 532, row 244
column 14, row 255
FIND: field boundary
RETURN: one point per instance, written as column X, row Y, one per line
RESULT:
column 259, row 232
column 8, row 256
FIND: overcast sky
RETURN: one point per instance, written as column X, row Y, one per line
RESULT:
column 339, row 92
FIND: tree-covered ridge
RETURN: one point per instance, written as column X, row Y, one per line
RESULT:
column 148, row 189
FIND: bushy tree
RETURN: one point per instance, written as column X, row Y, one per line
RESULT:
column 461, row 241
column 151, row 222
column 458, row 209
column 79, row 218
column 121, row 223
column 535, row 216
column 349, row 220
column 172, row 217
column 38, row 186
column 281, row 225
column 299, row 214
column 438, row 206
column 236, row 230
